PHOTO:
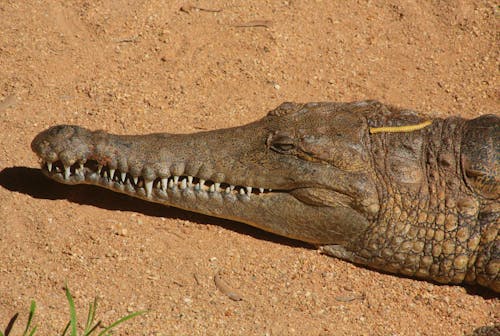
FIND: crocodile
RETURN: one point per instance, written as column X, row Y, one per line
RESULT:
column 376, row 185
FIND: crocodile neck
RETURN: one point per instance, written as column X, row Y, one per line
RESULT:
column 427, row 225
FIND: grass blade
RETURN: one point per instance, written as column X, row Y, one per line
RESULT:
column 33, row 331
column 92, row 329
column 90, row 317
column 72, row 312
column 123, row 319
column 66, row 328
column 30, row 317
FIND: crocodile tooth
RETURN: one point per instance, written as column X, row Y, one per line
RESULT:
column 123, row 176
column 217, row 187
column 183, row 184
column 212, row 188
column 99, row 169
column 171, row 183
column 242, row 191
column 202, row 183
column 49, row 166
column 67, row 172
column 197, row 186
column 228, row 190
column 111, row 173
column 149, row 187
column 190, row 181
column 176, row 179
column 164, row 183
column 136, row 179
column 249, row 190
column 261, row 190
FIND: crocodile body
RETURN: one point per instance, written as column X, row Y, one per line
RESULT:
column 365, row 182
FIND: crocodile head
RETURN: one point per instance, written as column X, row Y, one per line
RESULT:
column 304, row 171
column 420, row 199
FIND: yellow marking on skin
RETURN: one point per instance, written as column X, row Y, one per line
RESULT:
column 398, row 129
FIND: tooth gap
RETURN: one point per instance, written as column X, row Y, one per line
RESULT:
column 91, row 165
column 157, row 183
column 58, row 167
column 140, row 182
column 74, row 167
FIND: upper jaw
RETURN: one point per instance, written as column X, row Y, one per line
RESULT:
column 135, row 164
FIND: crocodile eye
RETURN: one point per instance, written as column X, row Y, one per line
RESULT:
column 281, row 144
column 282, row 147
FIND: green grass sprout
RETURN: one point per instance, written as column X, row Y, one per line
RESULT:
column 90, row 327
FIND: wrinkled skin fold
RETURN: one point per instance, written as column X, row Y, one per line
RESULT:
column 358, row 180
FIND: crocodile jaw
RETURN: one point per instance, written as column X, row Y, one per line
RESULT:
column 230, row 173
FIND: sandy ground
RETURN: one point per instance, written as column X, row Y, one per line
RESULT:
column 147, row 66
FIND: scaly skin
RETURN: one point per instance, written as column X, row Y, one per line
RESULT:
column 421, row 200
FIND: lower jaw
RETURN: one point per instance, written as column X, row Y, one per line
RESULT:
column 276, row 211
column 232, row 206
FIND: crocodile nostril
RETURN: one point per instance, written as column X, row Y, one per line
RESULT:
column 65, row 131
